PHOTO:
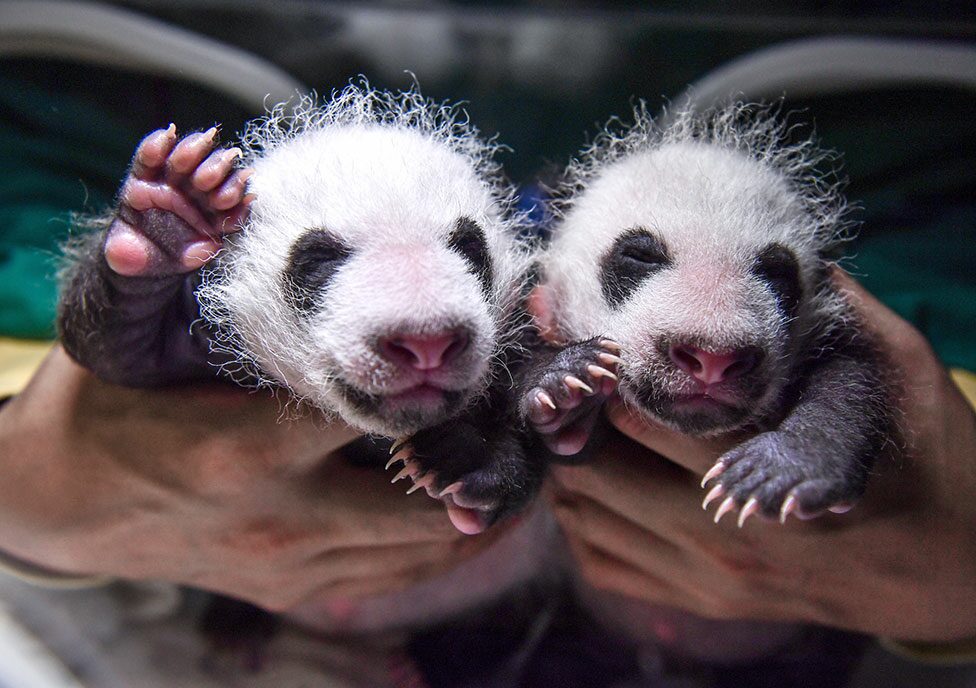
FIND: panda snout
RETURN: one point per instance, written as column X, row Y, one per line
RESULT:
column 426, row 352
column 712, row 367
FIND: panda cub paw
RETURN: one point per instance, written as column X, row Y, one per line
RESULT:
column 477, row 481
column 178, row 201
column 774, row 475
column 565, row 395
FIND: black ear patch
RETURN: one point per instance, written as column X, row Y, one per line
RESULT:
column 312, row 263
column 634, row 256
column 778, row 267
column 468, row 239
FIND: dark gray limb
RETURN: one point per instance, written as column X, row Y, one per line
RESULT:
column 821, row 454
column 133, row 331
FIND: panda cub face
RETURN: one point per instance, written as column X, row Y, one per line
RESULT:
column 700, row 260
column 374, row 276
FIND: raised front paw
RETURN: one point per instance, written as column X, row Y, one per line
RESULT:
column 180, row 198
column 564, row 398
column 776, row 474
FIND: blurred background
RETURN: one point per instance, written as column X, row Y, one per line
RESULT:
column 890, row 85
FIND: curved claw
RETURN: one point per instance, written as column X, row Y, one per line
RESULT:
column 421, row 482
column 610, row 345
column 789, row 506
column 398, row 444
column 399, row 456
column 404, row 472
column 597, row 371
column 751, row 507
column 609, row 359
column 575, row 383
column 713, row 494
column 544, row 398
column 724, row 508
column 713, row 473
column 451, row 489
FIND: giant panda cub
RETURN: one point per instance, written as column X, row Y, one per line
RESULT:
column 703, row 246
column 361, row 254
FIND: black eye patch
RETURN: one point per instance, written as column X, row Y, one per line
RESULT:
column 312, row 263
column 468, row 239
column 778, row 267
column 634, row 256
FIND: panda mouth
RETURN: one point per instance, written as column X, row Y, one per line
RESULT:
column 710, row 396
column 420, row 404
column 699, row 412
column 424, row 394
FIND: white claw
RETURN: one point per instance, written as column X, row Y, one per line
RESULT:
column 751, row 507
column 610, row 344
column 789, row 506
column 453, row 488
column 609, row 359
column 404, row 472
column 724, row 508
column 398, row 444
column 841, row 508
column 421, row 482
column 575, row 382
column 403, row 455
column 597, row 371
column 546, row 399
column 714, row 493
column 713, row 472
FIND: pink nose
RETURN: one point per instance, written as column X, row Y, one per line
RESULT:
column 424, row 352
column 710, row 367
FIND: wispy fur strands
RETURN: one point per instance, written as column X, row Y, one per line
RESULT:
column 755, row 130
column 388, row 176
column 360, row 105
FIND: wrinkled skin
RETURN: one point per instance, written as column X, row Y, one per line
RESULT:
column 205, row 486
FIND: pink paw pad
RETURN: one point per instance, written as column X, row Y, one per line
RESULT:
column 180, row 198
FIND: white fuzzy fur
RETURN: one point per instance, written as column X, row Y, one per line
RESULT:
column 390, row 174
column 717, row 188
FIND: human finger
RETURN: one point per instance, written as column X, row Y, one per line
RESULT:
column 692, row 453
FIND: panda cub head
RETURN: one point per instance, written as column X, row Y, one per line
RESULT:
column 699, row 246
column 377, row 273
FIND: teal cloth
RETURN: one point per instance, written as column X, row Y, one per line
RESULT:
column 57, row 156
column 64, row 151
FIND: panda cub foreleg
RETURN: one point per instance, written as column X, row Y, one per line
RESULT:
column 820, row 456
column 127, row 302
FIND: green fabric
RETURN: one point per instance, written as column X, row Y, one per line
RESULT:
column 67, row 133
column 929, row 277
column 57, row 156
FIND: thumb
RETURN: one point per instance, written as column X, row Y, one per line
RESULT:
column 695, row 454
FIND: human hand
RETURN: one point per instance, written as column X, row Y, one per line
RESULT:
column 206, row 486
column 901, row 564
